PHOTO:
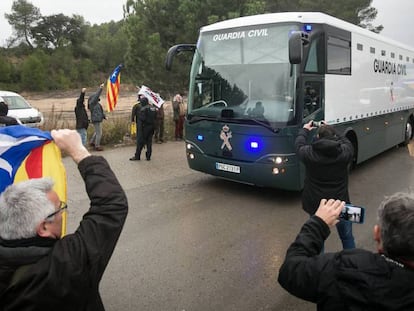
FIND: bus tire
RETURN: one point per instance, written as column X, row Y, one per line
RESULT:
column 408, row 132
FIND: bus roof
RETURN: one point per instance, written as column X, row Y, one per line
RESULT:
column 300, row 17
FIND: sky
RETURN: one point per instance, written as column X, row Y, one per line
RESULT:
column 394, row 15
column 93, row 11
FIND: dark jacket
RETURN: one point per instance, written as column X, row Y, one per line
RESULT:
column 82, row 120
column 6, row 121
column 326, row 161
column 135, row 112
column 65, row 274
column 352, row 279
column 147, row 116
column 94, row 105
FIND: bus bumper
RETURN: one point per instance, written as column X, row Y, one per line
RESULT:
column 286, row 176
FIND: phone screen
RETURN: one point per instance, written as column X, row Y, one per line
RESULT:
column 352, row 213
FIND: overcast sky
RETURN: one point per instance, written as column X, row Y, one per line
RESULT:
column 394, row 15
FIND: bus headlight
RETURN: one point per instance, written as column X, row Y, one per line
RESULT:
column 278, row 160
column 189, row 146
column 277, row 171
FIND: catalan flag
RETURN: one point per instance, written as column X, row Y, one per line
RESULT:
column 27, row 153
column 112, row 88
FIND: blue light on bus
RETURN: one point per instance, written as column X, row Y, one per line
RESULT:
column 254, row 144
column 200, row 137
column 308, row 28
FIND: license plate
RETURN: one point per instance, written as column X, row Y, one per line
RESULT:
column 228, row 168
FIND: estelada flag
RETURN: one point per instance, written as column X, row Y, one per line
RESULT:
column 112, row 88
column 27, row 153
column 154, row 98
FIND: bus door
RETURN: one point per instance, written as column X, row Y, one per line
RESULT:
column 313, row 98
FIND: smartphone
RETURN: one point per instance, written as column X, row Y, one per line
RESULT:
column 353, row 213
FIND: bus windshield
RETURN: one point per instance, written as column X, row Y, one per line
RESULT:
column 247, row 70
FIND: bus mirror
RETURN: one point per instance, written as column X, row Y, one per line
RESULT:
column 176, row 49
column 295, row 48
column 296, row 42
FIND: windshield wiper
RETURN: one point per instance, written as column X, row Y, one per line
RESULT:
column 259, row 122
column 197, row 118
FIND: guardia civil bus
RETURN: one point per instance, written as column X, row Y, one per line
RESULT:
column 256, row 80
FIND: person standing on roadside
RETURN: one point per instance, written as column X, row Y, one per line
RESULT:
column 82, row 121
column 145, row 129
column 159, row 125
column 5, row 120
column 327, row 161
column 178, row 116
column 97, row 116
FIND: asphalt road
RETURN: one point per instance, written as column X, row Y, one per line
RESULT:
column 195, row 242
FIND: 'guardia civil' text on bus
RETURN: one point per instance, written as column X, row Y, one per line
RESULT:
column 256, row 80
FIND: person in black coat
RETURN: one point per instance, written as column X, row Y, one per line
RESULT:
column 355, row 279
column 145, row 129
column 6, row 120
column 40, row 269
column 327, row 161
column 82, row 120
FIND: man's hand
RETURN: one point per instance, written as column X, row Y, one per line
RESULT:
column 308, row 126
column 329, row 211
column 102, row 85
column 70, row 142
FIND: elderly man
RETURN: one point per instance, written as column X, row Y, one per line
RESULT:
column 355, row 279
column 40, row 270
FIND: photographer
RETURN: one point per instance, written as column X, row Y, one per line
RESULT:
column 355, row 279
column 326, row 160
column 40, row 269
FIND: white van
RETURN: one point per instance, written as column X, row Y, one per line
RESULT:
column 20, row 109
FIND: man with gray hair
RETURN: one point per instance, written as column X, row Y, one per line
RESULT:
column 355, row 279
column 40, row 269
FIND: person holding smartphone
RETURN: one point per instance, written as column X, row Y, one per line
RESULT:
column 326, row 160
column 355, row 279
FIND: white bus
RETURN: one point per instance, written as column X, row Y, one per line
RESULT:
column 256, row 80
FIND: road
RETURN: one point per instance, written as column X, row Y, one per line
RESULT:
column 195, row 242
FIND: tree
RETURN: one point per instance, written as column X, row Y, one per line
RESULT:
column 59, row 30
column 23, row 17
column 34, row 72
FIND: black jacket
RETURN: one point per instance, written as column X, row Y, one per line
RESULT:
column 6, row 121
column 82, row 120
column 326, row 162
column 352, row 279
column 65, row 274
column 147, row 116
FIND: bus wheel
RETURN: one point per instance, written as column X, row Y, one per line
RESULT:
column 408, row 133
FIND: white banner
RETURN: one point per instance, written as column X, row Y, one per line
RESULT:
column 154, row 98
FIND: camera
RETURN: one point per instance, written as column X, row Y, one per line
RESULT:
column 352, row 213
column 317, row 123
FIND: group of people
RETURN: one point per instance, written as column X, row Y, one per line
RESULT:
column 40, row 270
column 97, row 115
column 149, row 122
column 352, row 279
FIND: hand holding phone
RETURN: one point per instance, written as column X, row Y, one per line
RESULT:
column 352, row 213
